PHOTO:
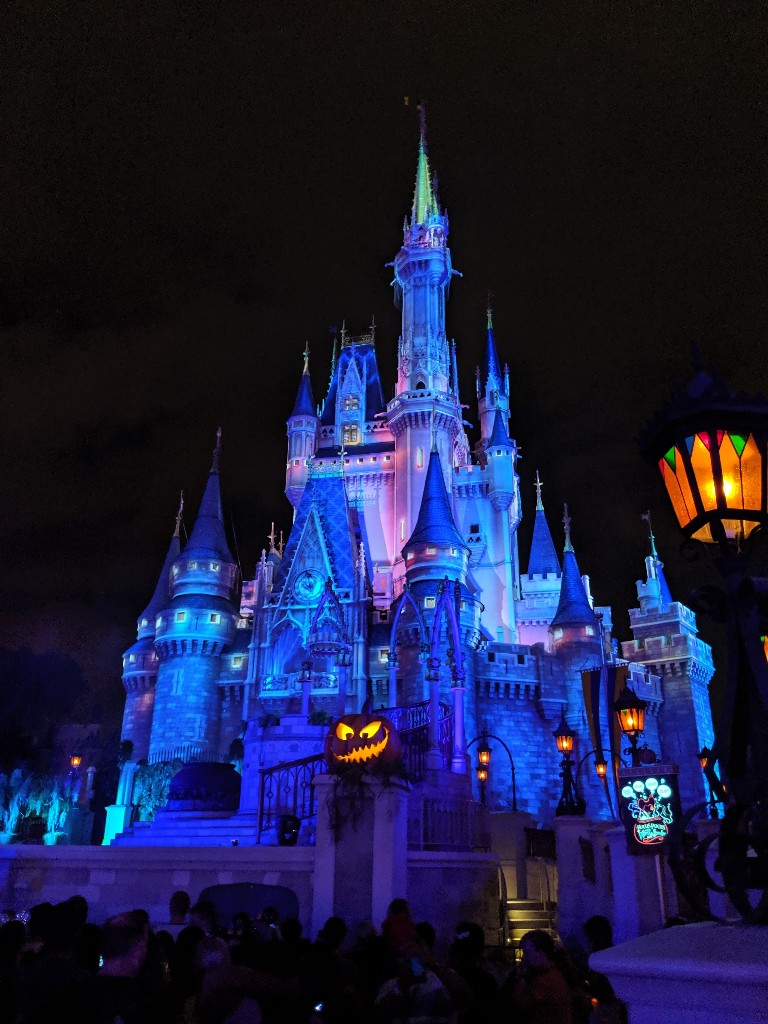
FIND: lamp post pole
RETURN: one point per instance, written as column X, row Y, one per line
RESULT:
column 570, row 802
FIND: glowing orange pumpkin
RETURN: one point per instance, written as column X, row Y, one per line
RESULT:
column 365, row 739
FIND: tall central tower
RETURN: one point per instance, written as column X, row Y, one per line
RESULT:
column 425, row 413
column 422, row 273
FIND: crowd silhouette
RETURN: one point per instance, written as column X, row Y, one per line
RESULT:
column 195, row 969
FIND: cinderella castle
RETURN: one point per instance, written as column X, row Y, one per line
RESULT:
column 401, row 582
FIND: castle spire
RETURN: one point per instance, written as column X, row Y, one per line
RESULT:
column 491, row 367
column 179, row 514
column 435, row 524
column 208, row 538
column 424, row 202
column 543, row 561
column 161, row 596
column 573, row 608
column 305, row 401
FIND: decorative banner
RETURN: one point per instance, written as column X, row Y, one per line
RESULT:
column 649, row 805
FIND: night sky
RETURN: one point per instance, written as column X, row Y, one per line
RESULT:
column 190, row 191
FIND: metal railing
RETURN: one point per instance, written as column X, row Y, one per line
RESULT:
column 288, row 788
column 449, row 824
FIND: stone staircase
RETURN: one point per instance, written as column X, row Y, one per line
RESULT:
column 525, row 915
column 193, row 828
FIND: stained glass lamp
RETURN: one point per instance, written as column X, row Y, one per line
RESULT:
column 710, row 447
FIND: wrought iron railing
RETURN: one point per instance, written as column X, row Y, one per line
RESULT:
column 288, row 788
column 449, row 824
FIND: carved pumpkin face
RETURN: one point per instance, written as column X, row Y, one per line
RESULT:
column 362, row 739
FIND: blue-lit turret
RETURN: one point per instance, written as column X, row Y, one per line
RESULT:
column 302, row 437
column 435, row 549
column 492, row 387
column 192, row 633
column 575, row 620
column 140, row 662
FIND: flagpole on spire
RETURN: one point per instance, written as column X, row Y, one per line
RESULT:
column 177, row 531
column 216, row 452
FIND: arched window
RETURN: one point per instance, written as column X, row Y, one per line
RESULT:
column 420, row 385
column 419, row 458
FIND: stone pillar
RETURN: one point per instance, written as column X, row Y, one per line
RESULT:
column 459, row 759
column 434, row 755
column 361, row 849
column 640, row 886
column 120, row 812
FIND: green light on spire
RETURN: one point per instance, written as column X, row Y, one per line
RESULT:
column 424, row 202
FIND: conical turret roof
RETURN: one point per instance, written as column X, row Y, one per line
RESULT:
column 162, row 595
column 305, row 401
column 435, row 524
column 424, row 201
column 491, row 363
column 543, row 560
column 573, row 608
column 499, row 436
column 208, row 538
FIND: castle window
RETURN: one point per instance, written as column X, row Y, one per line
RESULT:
column 589, row 630
column 402, row 529
column 409, row 556
column 474, row 528
column 145, row 622
column 215, row 567
column 383, row 656
column 420, row 385
column 387, row 458
column 463, row 606
column 191, row 565
column 237, row 661
column 350, row 434
column 429, row 602
column 373, row 458
column 175, row 569
column 419, row 458
column 521, row 659
column 215, row 617
column 491, row 656
column 132, row 657
column 360, row 461
column 181, row 616
column 454, row 552
column 558, row 633
column 431, row 551
column 296, row 462
column 350, row 402
column 159, row 622
column 383, row 616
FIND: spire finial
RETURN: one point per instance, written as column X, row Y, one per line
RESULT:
column 538, row 485
column 280, row 545
column 343, row 332
column 177, row 531
column 489, row 308
column 271, row 538
column 216, row 452
column 567, row 526
column 372, row 328
column 422, row 109
column 305, row 353
column 646, row 517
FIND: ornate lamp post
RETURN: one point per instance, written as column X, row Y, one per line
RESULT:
column 484, row 752
column 630, row 711
column 711, row 449
column 704, row 756
column 570, row 802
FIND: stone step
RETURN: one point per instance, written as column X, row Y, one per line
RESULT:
column 525, row 915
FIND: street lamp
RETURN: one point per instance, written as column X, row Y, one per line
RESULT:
column 484, row 760
column 570, row 802
column 711, row 448
column 630, row 711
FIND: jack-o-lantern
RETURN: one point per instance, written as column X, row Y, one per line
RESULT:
column 364, row 739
